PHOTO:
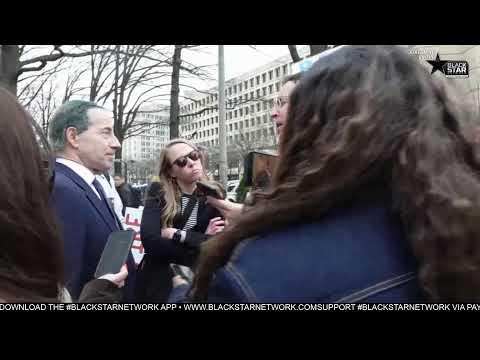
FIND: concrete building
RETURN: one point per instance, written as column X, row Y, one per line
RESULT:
column 249, row 102
column 149, row 140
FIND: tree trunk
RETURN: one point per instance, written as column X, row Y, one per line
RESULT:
column 9, row 63
column 317, row 49
column 294, row 53
column 174, row 92
column 116, row 122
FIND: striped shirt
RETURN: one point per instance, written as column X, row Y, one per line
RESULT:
column 192, row 220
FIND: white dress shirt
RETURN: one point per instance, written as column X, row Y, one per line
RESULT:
column 81, row 171
column 112, row 196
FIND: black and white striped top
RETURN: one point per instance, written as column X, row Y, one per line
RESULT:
column 192, row 220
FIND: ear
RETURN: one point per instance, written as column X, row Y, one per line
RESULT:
column 71, row 137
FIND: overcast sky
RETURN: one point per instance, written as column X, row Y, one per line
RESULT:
column 239, row 59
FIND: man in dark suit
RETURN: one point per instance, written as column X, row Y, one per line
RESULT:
column 82, row 135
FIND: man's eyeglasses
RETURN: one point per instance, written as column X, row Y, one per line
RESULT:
column 183, row 160
column 280, row 101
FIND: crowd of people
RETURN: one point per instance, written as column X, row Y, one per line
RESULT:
column 375, row 197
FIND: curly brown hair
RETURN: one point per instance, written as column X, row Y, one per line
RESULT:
column 360, row 117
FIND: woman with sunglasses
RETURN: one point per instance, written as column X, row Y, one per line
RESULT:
column 376, row 196
column 175, row 221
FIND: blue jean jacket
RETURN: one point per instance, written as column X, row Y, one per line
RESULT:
column 357, row 253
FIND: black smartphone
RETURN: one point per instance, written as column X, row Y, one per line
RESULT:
column 115, row 253
column 206, row 189
column 259, row 167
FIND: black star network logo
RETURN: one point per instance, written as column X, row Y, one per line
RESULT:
column 437, row 64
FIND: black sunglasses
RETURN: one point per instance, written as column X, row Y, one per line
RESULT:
column 183, row 160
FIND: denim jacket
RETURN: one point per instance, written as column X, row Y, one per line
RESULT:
column 357, row 253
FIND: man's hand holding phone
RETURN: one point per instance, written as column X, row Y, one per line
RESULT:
column 215, row 226
column 230, row 210
column 118, row 278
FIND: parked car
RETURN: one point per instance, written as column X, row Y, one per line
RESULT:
column 232, row 187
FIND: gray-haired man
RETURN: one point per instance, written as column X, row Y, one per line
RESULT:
column 81, row 133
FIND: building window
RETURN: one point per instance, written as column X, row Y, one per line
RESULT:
column 236, row 126
column 271, row 131
column 258, row 106
column 245, row 84
column 234, row 89
column 230, row 127
column 284, row 69
column 247, row 136
column 265, row 132
column 216, row 141
column 236, row 137
column 264, row 118
column 235, row 113
column 216, row 130
column 240, row 87
column 241, row 125
column 229, row 91
column 258, row 121
column 264, row 78
column 270, row 89
column 264, row 90
column 251, row 82
column 203, row 123
column 270, row 75
column 277, row 72
column 240, row 112
column 258, row 93
column 252, row 122
column 216, row 119
column 246, row 110
column 258, row 79
column 265, row 105
column 251, row 95
column 246, row 123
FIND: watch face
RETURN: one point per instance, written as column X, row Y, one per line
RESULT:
column 177, row 236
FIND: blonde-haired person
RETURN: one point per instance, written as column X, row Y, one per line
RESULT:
column 175, row 221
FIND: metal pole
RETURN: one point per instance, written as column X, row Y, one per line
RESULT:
column 222, row 128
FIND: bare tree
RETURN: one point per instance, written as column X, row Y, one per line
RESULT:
column 174, row 92
column 133, row 88
column 14, row 62
column 46, row 104
column 31, row 85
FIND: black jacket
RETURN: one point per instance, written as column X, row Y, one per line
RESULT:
column 154, row 274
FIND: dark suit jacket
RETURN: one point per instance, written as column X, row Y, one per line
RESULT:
column 155, row 277
column 86, row 223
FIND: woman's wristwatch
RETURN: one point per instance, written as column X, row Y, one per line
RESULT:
column 179, row 236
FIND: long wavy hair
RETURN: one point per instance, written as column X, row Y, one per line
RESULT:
column 169, row 185
column 31, row 250
column 363, row 116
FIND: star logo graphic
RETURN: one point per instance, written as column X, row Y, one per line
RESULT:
column 437, row 64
